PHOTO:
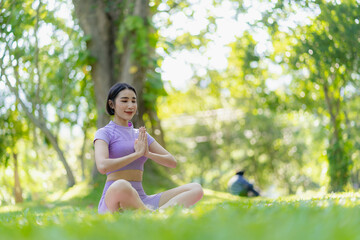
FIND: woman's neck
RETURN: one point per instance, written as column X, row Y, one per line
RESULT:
column 121, row 122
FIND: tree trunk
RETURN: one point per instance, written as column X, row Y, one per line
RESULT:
column 156, row 128
column 131, row 70
column 337, row 156
column 54, row 143
column 17, row 185
column 100, row 20
column 97, row 24
column 82, row 154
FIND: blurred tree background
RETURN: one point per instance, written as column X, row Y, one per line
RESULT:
column 282, row 105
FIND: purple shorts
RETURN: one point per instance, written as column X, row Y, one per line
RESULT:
column 151, row 201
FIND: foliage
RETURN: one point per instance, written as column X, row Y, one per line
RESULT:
column 43, row 59
column 323, row 59
column 289, row 136
column 134, row 27
column 250, row 130
column 273, row 150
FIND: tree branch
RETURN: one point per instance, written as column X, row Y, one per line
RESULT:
column 330, row 107
column 37, row 122
column 36, row 62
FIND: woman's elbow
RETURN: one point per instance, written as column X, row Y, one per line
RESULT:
column 173, row 163
column 101, row 168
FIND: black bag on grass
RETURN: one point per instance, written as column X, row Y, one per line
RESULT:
column 239, row 186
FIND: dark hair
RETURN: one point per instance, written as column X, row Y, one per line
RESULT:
column 113, row 92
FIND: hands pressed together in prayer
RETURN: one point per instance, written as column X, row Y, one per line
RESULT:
column 141, row 144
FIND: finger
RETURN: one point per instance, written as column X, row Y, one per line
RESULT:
column 141, row 134
column 145, row 139
column 135, row 144
column 144, row 131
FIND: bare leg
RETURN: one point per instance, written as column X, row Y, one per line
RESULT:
column 185, row 195
column 121, row 195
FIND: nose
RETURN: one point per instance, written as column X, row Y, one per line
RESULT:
column 132, row 105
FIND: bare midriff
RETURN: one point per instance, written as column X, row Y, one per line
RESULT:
column 133, row 175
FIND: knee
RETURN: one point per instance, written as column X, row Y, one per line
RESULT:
column 197, row 190
column 123, row 187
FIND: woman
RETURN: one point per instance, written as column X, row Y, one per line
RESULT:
column 120, row 153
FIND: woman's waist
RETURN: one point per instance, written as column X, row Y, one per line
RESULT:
column 133, row 175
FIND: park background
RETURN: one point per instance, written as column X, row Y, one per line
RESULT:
column 269, row 87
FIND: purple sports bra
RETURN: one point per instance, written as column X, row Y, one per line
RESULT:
column 121, row 143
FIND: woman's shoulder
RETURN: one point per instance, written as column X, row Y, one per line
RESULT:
column 106, row 129
column 105, row 133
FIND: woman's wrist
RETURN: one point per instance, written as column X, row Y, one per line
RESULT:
column 147, row 154
column 138, row 154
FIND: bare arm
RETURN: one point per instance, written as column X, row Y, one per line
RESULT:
column 105, row 164
column 160, row 155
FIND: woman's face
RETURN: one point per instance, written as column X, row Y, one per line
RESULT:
column 125, row 105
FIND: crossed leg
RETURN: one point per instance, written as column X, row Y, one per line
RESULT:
column 121, row 195
column 185, row 195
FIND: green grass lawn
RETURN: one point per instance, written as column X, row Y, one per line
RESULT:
column 218, row 216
